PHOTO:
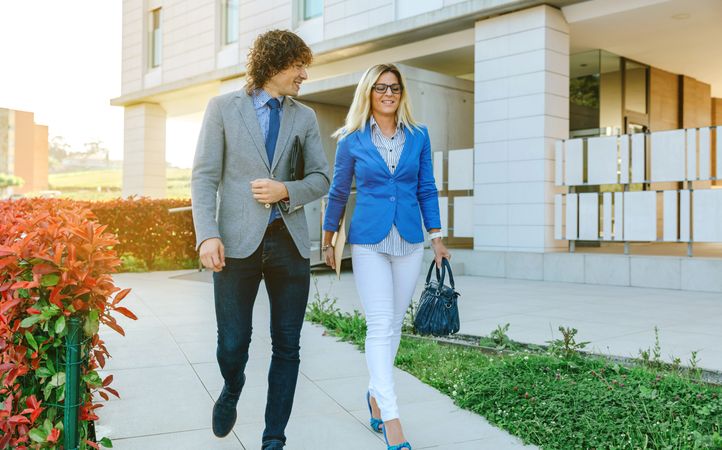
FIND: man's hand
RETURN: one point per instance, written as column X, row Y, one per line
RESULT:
column 212, row 254
column 267, row 191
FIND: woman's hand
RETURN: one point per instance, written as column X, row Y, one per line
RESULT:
column 329, row 257
column 327, row 248
column 440, row 251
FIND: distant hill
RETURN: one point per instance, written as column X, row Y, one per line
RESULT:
column 105, row 184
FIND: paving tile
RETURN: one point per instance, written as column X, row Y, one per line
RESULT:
column 317, row 432
column 147, row 348
column 346, row 364
column 710, row 325
column 350, row 392
column 309, row 400
column 438, row 423
column 202, row 332
column 186, row 440
column 156, row 400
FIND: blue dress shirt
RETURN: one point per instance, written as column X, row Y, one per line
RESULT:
column 263, row 113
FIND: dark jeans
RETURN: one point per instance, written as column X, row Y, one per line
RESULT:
column 286, row 275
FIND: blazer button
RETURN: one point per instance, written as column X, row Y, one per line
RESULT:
column 393, row 199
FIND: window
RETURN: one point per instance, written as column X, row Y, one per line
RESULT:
column 312, row 8
column 230, row 21
column 155, row 39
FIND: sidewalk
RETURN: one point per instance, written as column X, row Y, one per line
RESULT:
column 167, row 376
column 616, row 320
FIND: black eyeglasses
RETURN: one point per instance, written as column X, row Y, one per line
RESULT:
column 381, row 88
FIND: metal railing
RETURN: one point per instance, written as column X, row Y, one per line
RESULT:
column 647, row 187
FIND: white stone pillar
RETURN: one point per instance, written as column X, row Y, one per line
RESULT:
column 144, row 151
column 521, row 107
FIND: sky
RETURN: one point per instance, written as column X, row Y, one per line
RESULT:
column 61, row 59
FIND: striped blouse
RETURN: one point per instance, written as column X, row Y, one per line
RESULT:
column 390, row 149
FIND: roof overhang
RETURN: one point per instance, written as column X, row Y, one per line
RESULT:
column 679, row 36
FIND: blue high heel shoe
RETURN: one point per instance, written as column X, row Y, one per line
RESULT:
column 373, row 421
column 400, row 446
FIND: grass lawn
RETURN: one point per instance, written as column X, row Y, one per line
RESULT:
column 106, row 184
column 557, row 400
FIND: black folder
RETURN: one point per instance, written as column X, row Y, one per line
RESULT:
column 297, row 162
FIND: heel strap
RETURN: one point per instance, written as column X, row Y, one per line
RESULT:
column 376, row 424
column 401, row 446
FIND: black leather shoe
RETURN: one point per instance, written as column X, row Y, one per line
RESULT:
column 273, row 444
column 224, row 412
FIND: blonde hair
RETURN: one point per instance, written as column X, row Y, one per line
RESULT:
column 360, row 110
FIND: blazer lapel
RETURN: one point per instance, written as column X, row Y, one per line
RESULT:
column 368, row 144
column 408, row 147
column 244, row 103
column 284, row 132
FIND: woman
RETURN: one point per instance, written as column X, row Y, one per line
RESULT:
column 390, row 156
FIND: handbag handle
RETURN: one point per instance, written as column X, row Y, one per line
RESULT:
column 446, row 265
column 440, row 277
column 428, row 274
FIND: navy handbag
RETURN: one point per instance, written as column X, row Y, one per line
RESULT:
column 438, row 311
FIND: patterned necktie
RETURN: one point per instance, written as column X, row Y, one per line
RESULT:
column 274, row 124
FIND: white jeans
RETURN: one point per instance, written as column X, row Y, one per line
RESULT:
column 385, row 285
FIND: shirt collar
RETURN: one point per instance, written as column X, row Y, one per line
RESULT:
column 261, row 97
column 375, row 126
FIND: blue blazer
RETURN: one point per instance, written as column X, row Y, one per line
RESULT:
column 383, row 199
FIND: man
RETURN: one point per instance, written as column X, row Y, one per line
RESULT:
column 258, row 228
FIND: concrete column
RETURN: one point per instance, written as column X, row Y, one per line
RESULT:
column 521, row 107
column 144, row 151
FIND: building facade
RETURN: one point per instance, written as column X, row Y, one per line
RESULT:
column 24, row 150
column 558, row 127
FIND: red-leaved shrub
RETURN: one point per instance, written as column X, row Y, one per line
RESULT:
column 56, row 262
column 146, row 230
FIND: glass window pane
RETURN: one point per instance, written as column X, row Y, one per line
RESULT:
column 231, row 17
column 156, row 18
column 157, row 46
column 584, row 93
column 155, row 38
column 312, row 8
column 610, row 94
column 635, row 87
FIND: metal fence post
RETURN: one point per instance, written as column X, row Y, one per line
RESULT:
column 72, row 384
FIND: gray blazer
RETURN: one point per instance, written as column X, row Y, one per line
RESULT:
column 231, row 153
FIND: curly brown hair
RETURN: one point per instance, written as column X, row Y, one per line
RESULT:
column 273, row 52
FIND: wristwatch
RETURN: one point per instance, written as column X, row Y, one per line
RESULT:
column 435, row 235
